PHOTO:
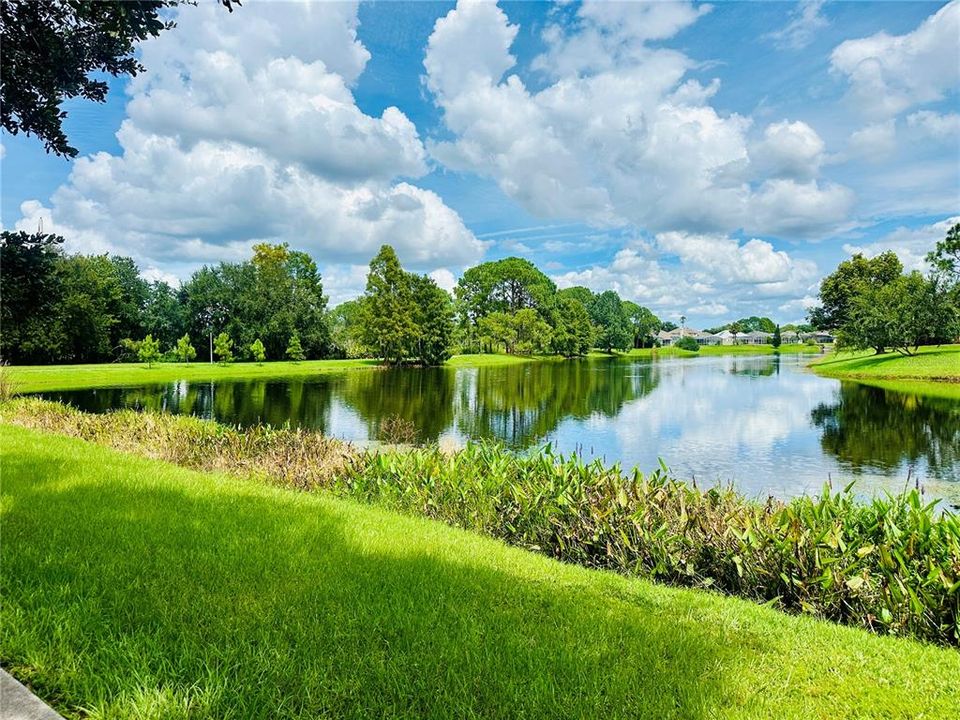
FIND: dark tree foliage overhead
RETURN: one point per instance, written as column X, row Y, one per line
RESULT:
column 52, row 48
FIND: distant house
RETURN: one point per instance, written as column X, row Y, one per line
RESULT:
column 669, row 337
column 822, row 337
column 754, row 337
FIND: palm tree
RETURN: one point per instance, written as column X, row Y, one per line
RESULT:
column 735, row 329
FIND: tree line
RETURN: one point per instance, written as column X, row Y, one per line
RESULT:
column 63, row 308
column 874, row 303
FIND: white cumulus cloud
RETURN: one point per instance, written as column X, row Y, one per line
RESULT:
column 619, row 135
column 244, row 129
column 891, row 73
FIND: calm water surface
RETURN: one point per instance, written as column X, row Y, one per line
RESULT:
column 762, row 422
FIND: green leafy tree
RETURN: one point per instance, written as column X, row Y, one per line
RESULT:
column 434, row 320
column 129, row 350
column 644, row 323
column 128, row 309
column 208, row 300
column 295, row 349
column 496, row 329
column 53, row 51
column 756, row 324
column 163, row 313
column 531, row 333
column 838, row 289
column 223, row 348
column 573, row 334
column 345, row 332
column 902, row 314
column 90, row 293
column 277, row 292
column 31, row 330
column 389, row 313
column 777, row 339
column 615, row 332
column 502, row 286
column 287, row 295
column 258, row 352
column 149, row 350
column 579, row 293
column 184, row 351
column 945, row 258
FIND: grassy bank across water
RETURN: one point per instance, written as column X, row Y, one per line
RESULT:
column 133, row 589
column 931, row 364
column 38, row 378
column 715, row 350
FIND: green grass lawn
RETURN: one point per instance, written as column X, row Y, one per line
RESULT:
column 136, row 589
column 930, row 363
column 37, row 378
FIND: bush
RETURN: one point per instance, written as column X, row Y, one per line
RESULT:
column 891, row 565
column 687, row 343
column 396, row 430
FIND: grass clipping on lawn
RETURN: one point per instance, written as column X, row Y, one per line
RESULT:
column 891, row 565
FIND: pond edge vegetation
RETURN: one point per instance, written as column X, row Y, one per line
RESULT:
column 891, row 566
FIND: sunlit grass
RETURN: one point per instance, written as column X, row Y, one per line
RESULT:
column 930, row 363
column 135, row 589
column 36, row 378
column 39, row 378
column 891, row 565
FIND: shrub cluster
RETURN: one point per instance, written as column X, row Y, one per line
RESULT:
column 891, row 565
column 687, row 343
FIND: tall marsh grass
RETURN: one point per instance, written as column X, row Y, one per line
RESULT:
column 891, row 565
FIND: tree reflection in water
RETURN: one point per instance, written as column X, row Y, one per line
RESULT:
column 709, row 415
column 872, row 428
column 520, row 405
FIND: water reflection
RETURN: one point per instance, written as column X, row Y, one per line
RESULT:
column 870, row 428
column 523, row 405
column 763, row 422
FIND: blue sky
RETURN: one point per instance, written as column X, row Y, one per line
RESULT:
column 713, row 160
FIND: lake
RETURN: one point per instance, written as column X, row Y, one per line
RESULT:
column 762, row 422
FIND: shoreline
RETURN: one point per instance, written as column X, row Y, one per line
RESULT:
column 40, row 378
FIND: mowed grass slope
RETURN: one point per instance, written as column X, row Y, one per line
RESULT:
column 936, row 363
column 136, row 589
